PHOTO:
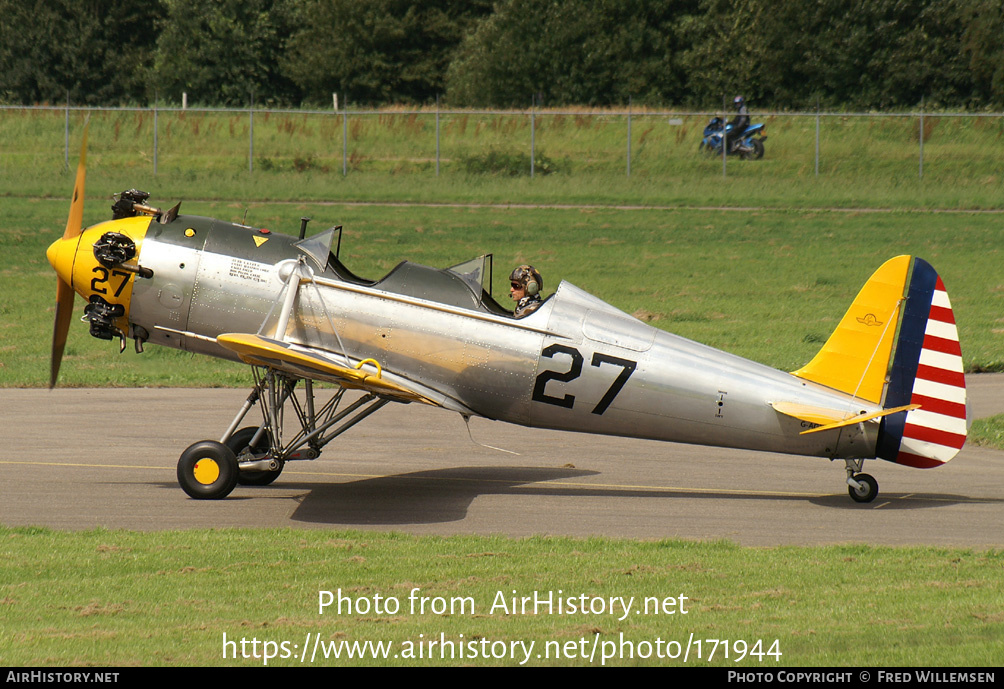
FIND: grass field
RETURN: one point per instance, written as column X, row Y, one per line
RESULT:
column 120, row 599
column 768, row 284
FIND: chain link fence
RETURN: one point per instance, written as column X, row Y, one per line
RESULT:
column 530, row 142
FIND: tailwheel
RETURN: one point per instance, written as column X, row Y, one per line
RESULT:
column 866, row 490
column 208, row 470
column 240, row 443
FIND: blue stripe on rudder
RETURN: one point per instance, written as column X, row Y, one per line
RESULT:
column 907, row 357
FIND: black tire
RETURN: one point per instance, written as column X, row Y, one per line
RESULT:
column 869, row 489
column 238, row 443
column 758, row 149
column 207, row 470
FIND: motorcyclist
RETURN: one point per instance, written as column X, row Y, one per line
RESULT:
column 739, row 123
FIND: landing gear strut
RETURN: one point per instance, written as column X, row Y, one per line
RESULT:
column 249, row 445
column 256, row 455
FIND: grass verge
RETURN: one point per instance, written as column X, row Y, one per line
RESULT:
column 113, row 598
column 988, row 432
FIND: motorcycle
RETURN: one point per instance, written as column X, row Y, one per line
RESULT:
column 748, row 147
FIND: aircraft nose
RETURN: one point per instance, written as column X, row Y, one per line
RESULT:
column 61, row 254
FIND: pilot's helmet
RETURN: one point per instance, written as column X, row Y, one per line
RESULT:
column 528, row 278
column 738, row 101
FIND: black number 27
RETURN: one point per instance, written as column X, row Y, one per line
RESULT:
column 574, row 371
column 99, row 284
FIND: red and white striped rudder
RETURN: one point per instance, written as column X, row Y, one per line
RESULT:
column 927, row 370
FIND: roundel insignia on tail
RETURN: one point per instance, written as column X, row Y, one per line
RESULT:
column 927, row 370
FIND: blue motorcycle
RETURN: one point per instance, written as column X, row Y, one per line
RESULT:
column 748, row 147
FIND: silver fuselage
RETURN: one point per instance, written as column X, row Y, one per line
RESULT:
column 576, row 364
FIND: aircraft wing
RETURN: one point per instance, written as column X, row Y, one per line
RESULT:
column 310, row 363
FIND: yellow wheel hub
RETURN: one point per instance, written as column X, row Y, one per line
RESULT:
column 206, row 471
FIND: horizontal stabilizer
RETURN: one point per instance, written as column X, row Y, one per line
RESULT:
column 828, row 419
column 873, row 416
column 811, row 414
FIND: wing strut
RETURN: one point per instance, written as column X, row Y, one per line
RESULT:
column 299, row 274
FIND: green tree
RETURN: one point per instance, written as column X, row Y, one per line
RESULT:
column 564, row 52
column 95, row 51
column 862, row 54
column 983, row 51
column 222, row 52
column 380, row 51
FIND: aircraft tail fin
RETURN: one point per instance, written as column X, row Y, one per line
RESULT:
column 927, row 370
column 856, row 357
column 905, row 304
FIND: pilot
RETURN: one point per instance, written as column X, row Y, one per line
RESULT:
column 525, row 284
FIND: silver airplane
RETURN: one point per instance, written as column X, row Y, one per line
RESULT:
column 888, row 383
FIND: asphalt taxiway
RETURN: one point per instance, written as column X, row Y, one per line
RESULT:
column 84, row 458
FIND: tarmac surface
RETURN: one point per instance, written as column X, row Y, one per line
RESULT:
column 86, row 458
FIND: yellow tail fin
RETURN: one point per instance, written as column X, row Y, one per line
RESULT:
column 855, row 359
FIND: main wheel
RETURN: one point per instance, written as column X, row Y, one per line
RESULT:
column 239, row 442
column 867, row 492
column 208, row 470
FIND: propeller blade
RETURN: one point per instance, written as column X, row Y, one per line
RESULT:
column 60, row 327
column 64, row 292
column 76, row 217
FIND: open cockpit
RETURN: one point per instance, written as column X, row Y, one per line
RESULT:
column 466, row 285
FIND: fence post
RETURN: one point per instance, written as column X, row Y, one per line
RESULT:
column 629, row 138
column 155, row 133
column 921, row 169
column 725, row 118
column 817, row 137
column 345, row 137
column 533, row 132
column 251, row 135
column 437, row 135
column 66, row 134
